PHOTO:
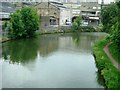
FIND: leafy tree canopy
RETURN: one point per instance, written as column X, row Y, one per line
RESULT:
column 23, row 23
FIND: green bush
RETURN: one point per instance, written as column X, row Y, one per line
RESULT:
column 111, row 22
column 23, row 23
column 30, row 20
column 77, row 23
column 5, row 25
column 115, row 52
column 112, row 76
column 16, row 29
column 109, row 17
column 116, row 38
column 116, row 34
column 74, row 26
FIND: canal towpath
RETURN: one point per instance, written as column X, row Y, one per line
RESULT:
column 114, row 62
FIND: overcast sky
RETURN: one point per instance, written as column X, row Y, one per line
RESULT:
column 106, row 1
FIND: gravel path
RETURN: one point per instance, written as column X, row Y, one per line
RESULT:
column 115, row 63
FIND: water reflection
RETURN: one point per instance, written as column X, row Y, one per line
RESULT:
column 26, row 50
column 47, row 45
column 76, row 39
column 21, row 51
column 51, row 61
column 82, row 42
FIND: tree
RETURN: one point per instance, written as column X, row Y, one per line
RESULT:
column 116, row 34
column 23, row 23
column 16, row 29
column 109, row 17
column 30, row 20
column 77, row 23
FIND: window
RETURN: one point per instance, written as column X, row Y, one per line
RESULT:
column 94, row 7
column 99, row 7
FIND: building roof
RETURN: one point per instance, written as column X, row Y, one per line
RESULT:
column 90, row 6
column 7, row 7
column 57, row 4
column 54, row 4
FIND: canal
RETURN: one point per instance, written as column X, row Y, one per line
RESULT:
column 51, row 61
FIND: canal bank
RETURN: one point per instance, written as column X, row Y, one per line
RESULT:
column 110, row 74
column 55, row 30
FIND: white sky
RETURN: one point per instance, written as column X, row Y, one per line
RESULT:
column 105, row 1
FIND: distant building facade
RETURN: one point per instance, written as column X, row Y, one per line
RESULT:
column 65, row 15
column 88, row 10
column 49, row 13
column 5, row 10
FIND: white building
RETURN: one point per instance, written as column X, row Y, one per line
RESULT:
column 65, row 15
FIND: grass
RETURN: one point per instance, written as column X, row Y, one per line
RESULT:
column 114, row 51
column 110, row 74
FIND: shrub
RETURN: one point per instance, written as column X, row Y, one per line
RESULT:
column 23, row 23
column 74, row 26
column 30, row 20
column 109, row 17
column 77, row 23
column 116, row 38
column 111, row 22
column 16, row 29
column 116, row 34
